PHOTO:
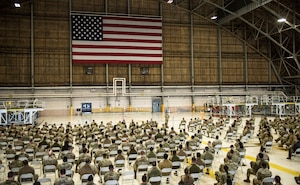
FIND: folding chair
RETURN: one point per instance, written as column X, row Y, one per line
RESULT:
column 45, row 181
column 217, row 148
column 39, row 155
column 229, row 136
column 37, row 165
column 98, row 159
column 56, row 151
column 196, row 177
column 268, row 146
column 49, row 169
column 142, row 168
column 15, row 171
column 23, row 158
column 176, row 167
column 208, row 164
column 152, row 159
column 160, row 155
column 30, row 152
column 26, row 178
column 10, row 157
column 267, row 181
column 296, row 154
column 113, row 153
column 112, row 182
column 84, row 178
column 131, row 158
column 166, row 174
column 128, row 177
column 2, row 172
column 155, row 179
column 103, row 170
column 120, row 164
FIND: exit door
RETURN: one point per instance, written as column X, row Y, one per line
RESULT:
column 156, row 105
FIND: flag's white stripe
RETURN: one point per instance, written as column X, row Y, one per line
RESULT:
column 110, row 43
column 132, row 58
column 137, row 30
column 133, row 22
column 101, row 50
column 140, row 37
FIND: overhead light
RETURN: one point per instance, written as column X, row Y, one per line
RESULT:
column 170, row 1
column 17, row 4
column 281, row 20
column 289, row 57
column 213, row 17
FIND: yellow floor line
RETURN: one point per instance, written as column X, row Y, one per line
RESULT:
column 272, row 165
column 276, row 166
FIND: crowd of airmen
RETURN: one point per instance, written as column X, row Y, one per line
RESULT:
column 102, row 144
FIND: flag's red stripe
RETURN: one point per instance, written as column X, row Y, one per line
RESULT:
column 116, row 62
column 130, row 26
column 131, row 19
column 116, row 47
column 131, row 33
column 117, row 54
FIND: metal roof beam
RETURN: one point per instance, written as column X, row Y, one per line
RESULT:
column 247, row 8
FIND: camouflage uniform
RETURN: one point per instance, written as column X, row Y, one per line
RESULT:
column 111, row 175
column 260, row 175
column 10, row 182
column 64, row 180
column 154, row 172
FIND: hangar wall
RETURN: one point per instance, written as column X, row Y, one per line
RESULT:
column 36, row 48
column 35, row 53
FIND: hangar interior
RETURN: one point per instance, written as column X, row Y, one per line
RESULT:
column 244, row 53
column 233, row 58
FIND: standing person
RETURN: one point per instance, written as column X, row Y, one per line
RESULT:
column 167, row 117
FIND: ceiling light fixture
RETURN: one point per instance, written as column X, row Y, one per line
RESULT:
column 170, row 1
column 17, row 4
column 281, row 20
column 213, row 17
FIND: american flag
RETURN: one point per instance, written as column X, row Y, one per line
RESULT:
column 116, row 39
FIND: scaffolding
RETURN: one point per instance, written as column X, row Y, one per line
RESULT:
column 234, row 106
column 20, row 112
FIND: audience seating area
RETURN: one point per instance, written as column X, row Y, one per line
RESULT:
column 33, row 143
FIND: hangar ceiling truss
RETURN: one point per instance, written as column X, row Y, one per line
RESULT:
column 258, row 20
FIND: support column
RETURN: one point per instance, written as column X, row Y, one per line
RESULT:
column 246, row 64
column 107, row 88
column 70, row 55
column 220, row 58
column 192, row 58
column 129, row 66
column 162, row 70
